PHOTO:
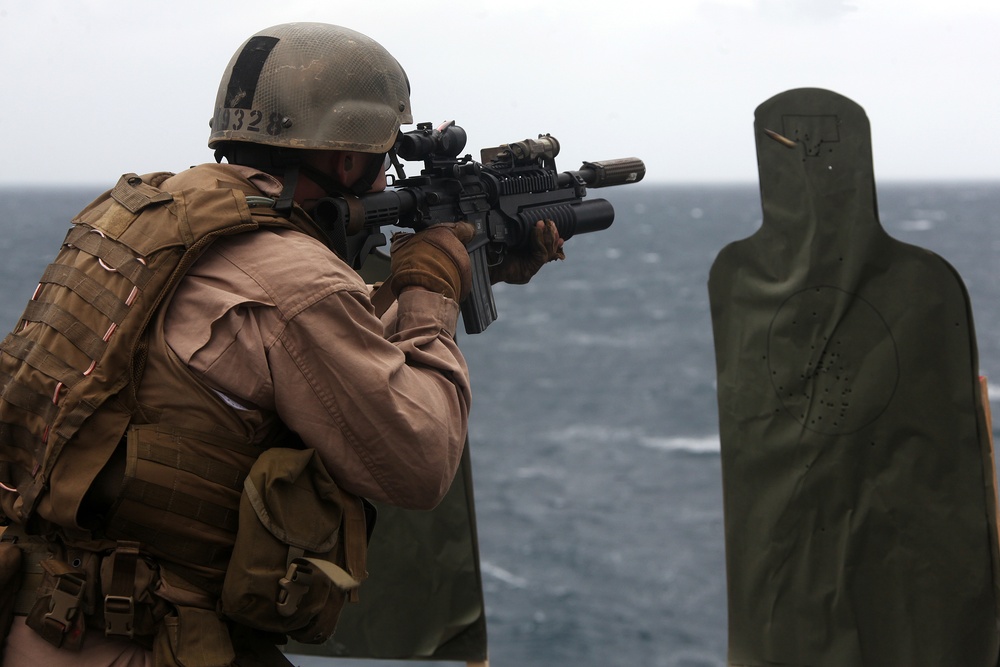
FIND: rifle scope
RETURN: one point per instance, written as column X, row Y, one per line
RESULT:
column 445, row 141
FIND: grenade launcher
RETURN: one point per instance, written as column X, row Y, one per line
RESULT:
column 515, row 186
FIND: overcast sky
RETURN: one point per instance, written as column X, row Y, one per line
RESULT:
column 95, row 88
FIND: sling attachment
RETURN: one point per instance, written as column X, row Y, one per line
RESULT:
column 119, row 601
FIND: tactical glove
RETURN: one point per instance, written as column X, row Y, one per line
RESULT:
column 434, row 259
column 519, row 266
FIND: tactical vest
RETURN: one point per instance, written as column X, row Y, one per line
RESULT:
column 88, row 379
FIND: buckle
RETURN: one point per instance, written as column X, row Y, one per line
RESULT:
column 119, row 615
column 65, row 600
column 292, row 588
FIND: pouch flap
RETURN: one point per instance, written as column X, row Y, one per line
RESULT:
column 295, row 498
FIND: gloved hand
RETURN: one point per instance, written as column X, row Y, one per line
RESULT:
column 519, row 266
column 434, row 259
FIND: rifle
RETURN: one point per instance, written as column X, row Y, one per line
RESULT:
column 503, row 197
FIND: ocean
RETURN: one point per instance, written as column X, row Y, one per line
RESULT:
column 594, row 433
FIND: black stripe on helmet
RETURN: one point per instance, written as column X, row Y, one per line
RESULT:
column 246, row 72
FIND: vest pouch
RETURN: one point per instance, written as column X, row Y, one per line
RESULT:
column 127, row 603
column 65, row 598
column 286, row 574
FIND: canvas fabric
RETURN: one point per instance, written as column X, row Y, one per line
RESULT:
column 860, row 498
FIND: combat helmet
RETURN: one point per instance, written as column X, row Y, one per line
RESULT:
column 308, row 86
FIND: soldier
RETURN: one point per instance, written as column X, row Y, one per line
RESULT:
column 201, row 392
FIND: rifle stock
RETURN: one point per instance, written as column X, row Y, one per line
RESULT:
column 503, row 197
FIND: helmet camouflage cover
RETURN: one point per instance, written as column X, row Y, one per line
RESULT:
column 312, row 86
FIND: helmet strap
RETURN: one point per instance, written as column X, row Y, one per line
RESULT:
column 333, row 188
column 329, row 185
column 286, row 199
column 369, row 175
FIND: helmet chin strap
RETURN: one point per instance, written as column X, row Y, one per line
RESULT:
column 286, row 200
column 327, row 183
column 273, row 160
column 371, row 173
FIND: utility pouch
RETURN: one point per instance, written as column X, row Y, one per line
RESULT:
column 298, row 531
column 10, row 583
column 58, row 613
column 127, row 603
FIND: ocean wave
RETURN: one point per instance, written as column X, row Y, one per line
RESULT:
column 577, row 433
column 496, row 572
column 922, row 220
column 921, row 225
column 700, row 445
column 540, row 472
column 592, row 433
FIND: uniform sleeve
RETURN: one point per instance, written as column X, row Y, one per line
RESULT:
column 388, row 416
column 276, row 325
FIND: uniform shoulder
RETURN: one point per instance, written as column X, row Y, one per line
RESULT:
column 283, row 261
column 210, row 176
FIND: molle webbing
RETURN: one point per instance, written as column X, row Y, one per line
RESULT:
column 209, row 470
column 25, row 398
column 85, row 340
column 96, row 294
column 113, row 255
column 81, row 340
column 185, row 506
column 27, row 351
column 181, row 498
column 175, row 546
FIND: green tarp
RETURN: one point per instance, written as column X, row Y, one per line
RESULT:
column 860, row 498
